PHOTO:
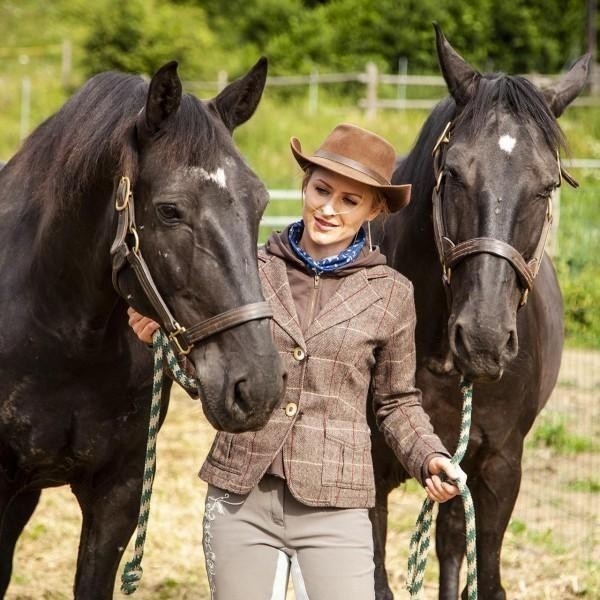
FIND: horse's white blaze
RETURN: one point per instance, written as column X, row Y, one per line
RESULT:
column 217, row 176
column 507, row 143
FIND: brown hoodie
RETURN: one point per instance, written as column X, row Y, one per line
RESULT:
column 311, row 292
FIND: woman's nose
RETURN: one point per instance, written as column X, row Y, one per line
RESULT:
column 328, row 209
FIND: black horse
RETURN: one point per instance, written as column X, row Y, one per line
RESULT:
column 75, row 383
column 498, row 165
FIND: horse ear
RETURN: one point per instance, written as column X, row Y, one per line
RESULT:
column 461, row 78
column 238, row 101
column 568, row 87
column 164, row 97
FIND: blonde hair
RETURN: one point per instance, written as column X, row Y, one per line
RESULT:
column 378, row 198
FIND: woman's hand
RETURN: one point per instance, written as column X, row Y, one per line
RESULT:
column 143, row 327
column 438, row 490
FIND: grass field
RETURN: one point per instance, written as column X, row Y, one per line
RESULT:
column 551, row 550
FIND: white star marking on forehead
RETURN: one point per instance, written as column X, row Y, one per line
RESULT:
column 217, row 176
column 507, row 143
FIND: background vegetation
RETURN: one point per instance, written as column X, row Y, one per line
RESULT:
column 300, row 36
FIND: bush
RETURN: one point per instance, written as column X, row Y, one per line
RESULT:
column 138, row 36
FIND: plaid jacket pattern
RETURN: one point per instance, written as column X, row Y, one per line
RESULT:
column 363, row 336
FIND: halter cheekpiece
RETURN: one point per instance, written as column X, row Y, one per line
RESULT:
column 125, row 250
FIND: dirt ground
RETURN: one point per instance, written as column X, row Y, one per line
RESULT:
column 551, row 551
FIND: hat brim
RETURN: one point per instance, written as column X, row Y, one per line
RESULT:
column 396, row 196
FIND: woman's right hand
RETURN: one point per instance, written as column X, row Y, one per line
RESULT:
column 144, row 327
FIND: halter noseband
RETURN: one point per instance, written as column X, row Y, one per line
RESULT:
column 450, row 253
column 122, row 255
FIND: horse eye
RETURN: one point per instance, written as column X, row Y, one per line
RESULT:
column 453, row 173
column 546, row 192
column 168, row 212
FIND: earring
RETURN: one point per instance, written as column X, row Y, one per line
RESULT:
column 369, row 236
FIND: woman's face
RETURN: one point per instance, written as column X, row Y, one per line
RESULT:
column 334, row 209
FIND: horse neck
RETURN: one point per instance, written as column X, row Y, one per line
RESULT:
column 69, row 274
column 410, row 244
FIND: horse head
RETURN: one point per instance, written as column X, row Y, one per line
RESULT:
column 197, row 211
column 497, row 165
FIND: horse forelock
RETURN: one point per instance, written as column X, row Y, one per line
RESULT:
column 516, row 95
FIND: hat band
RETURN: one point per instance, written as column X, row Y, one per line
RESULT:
column 353, row 164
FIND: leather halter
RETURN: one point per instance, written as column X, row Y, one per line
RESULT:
column 123, row 254
column 450, row 253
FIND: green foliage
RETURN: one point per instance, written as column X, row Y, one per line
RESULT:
column 344, row 34
column 551, row 432
column 139, row 36
column 588, row 486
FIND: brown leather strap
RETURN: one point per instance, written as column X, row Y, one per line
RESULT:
column 227, row 320
column 353, row 164
column 497, row 248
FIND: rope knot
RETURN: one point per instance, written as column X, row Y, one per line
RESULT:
column 130, row 578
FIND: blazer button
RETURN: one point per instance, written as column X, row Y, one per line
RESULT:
column 298, row 353
column 291, row 409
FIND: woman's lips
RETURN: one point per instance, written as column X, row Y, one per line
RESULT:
column 323, row 225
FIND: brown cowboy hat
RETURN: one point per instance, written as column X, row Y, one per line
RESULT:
column 360, row 155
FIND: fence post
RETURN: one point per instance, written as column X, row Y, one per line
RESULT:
column 372, row 81
column 25, row 107
column 313, row 92
column 402, row 72
column 65, row 70
column 222, row 79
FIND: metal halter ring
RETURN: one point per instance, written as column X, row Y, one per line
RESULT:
column 175, row 340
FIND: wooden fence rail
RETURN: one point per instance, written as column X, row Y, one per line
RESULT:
column 372, row 79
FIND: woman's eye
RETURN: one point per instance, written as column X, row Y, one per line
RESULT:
column 321, row 190
column 350, row 201
column 168, row 212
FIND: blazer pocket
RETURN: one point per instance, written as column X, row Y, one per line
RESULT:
column 347, row 456
column 229, row 452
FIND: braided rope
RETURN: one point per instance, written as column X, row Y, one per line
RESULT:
column 132, row 573
column 419, row 542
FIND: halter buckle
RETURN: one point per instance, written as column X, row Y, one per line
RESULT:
column 123, row 194
column 173, row 337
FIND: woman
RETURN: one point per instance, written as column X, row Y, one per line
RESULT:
column 297, row 492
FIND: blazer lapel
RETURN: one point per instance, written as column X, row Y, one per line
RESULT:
column 278, row 294
column 354, row 294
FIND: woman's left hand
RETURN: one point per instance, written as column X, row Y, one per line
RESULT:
column 438, row 490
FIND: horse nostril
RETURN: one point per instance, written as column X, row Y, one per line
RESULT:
column 242, row 397
column 460, row 344
column 512, row 344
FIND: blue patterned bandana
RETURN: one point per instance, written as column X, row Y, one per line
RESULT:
column 330, row 263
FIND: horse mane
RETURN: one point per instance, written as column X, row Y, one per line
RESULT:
column 93, row 135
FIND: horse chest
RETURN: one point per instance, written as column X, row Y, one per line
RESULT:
column 56, row 432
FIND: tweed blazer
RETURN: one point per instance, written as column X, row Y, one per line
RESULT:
column 362, row 338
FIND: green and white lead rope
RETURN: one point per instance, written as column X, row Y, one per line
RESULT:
column 419, row 542
column 132, row 572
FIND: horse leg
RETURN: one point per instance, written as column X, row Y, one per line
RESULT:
column 110, row 512
column 450, row 546
column 379, row 516
column 15, row 517
column 494, row 492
